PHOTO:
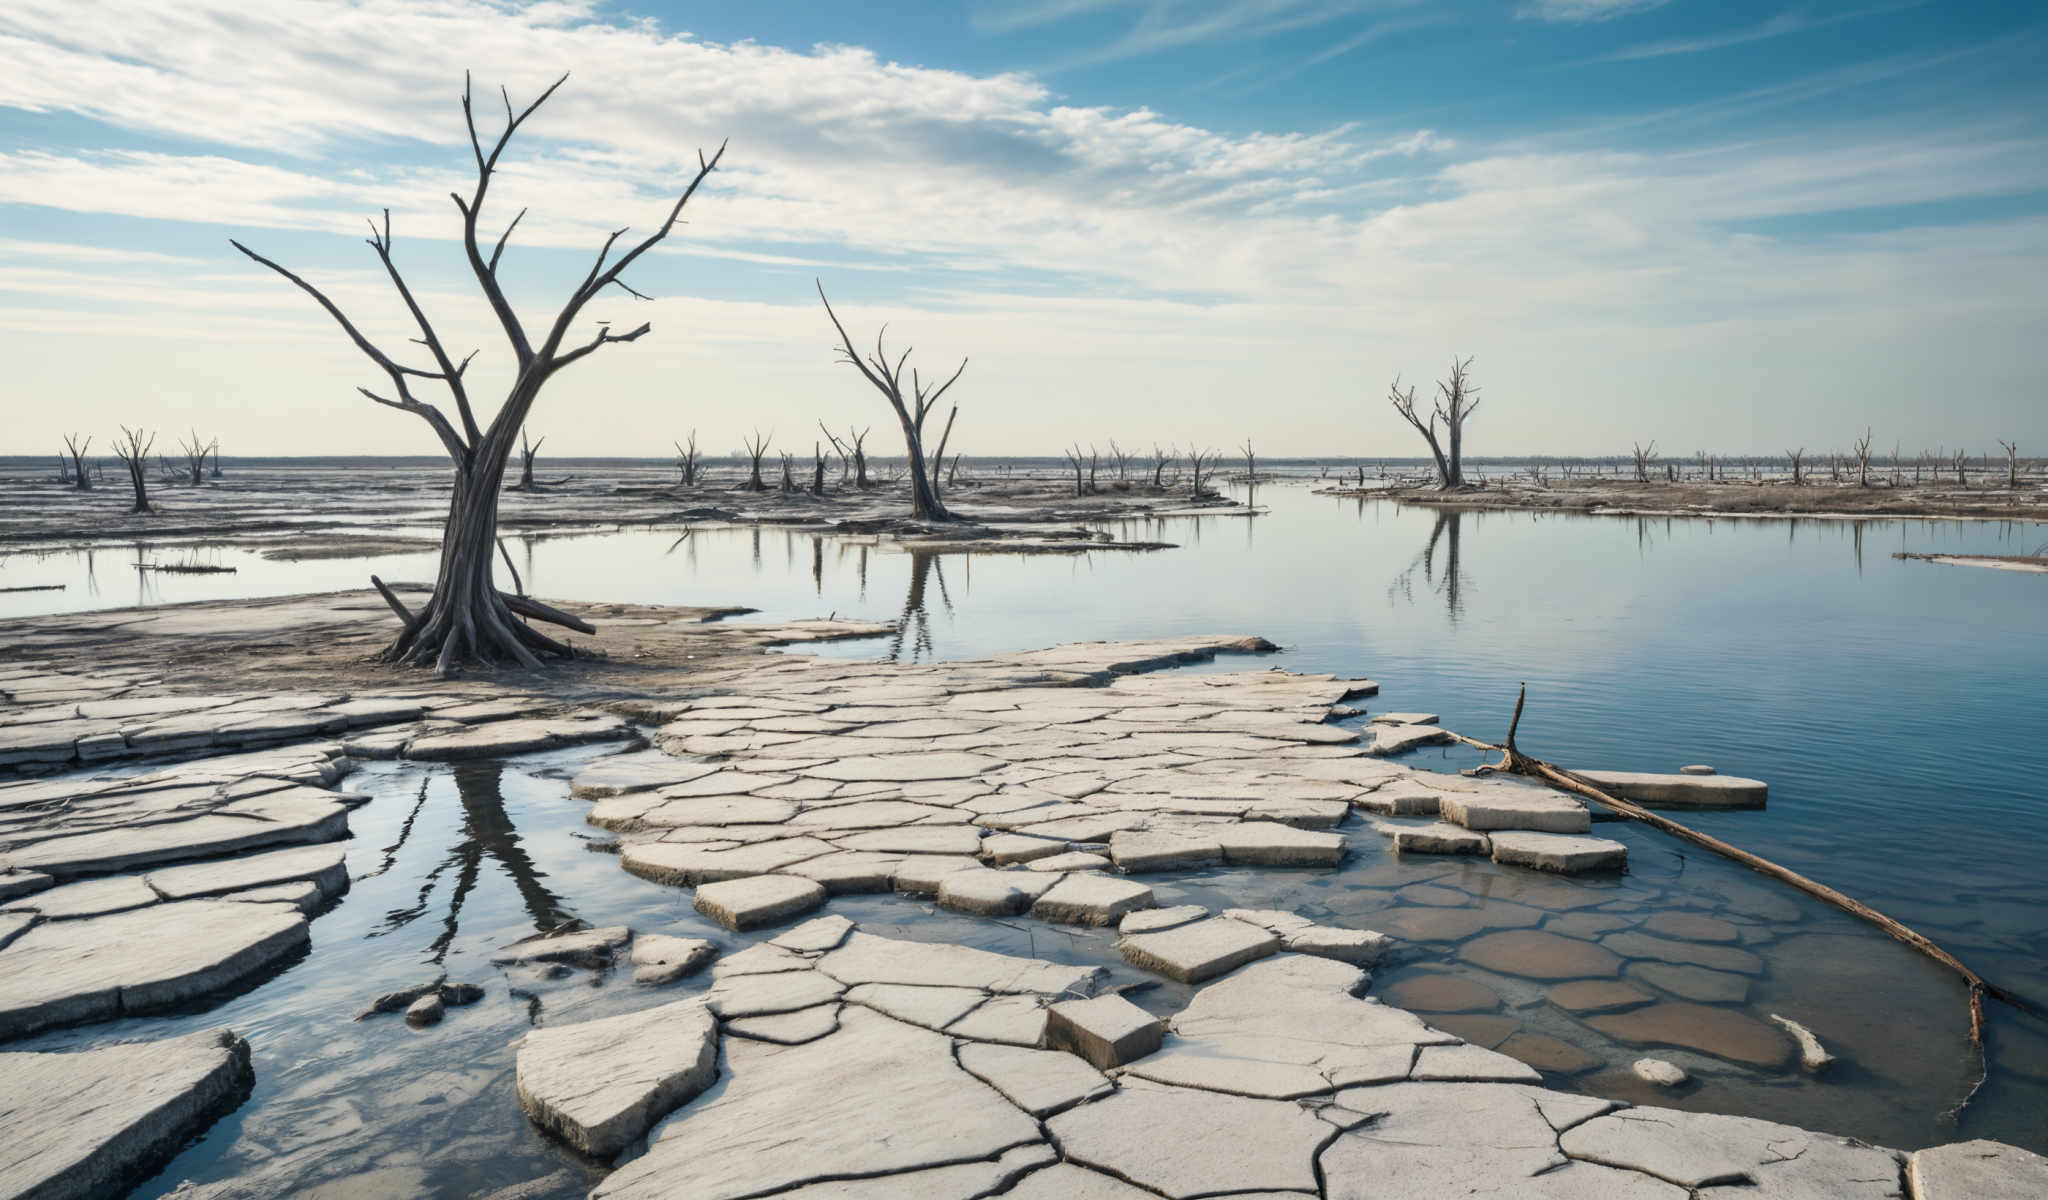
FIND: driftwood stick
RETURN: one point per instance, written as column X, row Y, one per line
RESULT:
column 518, row 585
column 398, row 606
column 527, row 606
column 1515, row 762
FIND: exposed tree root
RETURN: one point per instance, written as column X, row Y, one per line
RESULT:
column 1514, row 762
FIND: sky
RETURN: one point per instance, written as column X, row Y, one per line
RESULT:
column 1738, row 227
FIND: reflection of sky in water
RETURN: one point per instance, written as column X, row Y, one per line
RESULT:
column 1894, row 707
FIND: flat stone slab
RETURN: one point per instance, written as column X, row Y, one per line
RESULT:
column 92, row 1123
column 1270, row 844
column 659, row 958
column 760, row 900
column 580, row 947
column 1388, row 740
column 1565, row 854
column 1299, row 935
column 1041, row 1082
column 1139, row 850
column 1527, row 808
column 1109, row 1031
column 1146, row 920
column 1978, row 1170
column 904, row 768
column 1202, row 950
column 1686, row 790
column 1699, row 1150
column 1185, row 1142
column 600, row 1085
column 991, row 893
column 835, row 1107
column 74, row 972
column 1091, row 899
column 496, row 739
column 634, row 773
column 1441, row 837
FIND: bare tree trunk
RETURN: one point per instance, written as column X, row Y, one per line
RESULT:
column 817, row 469
column 1074, row 460
column 756, row 447
column 526, row 456
column 1796, row 456
column 887, row 378
column 133, row 450
column 686, row 460
column 1643, row 455
column 77, row 449
column 2012, row 463
column 1197, row 459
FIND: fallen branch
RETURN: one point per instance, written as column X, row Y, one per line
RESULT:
column 1514, row 762
column 527, row 606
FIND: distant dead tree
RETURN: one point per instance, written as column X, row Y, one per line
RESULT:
column 817, row 469
column 216, row 459
column 857, row 439
column 80, row 479
column 132, row 448
column 1962, row 460
column 911, row 411
column 756, row 447
column 1120, row 458
column 1644, row 455
column 467, row 617
column 686, row 460
column 788, row 472
column 1197, row 460
column 1795, row 456
column 1074, row 460
column 526, row 456
column 839, row 448
column 1251, row 460
column 1456, row 402
column 1161, row 459
column 1093, row 459
column 2012, row 462
column 1860, row 451
column 195, row 452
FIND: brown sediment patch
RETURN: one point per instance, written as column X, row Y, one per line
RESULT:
column 1533, row 954
column 1441, row 994
column 1721, row 1032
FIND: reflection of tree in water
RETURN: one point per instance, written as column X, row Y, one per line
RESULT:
column 916, row 623
column 1450, row 581
column 487, row 832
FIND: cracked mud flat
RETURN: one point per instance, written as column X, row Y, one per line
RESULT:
column 986, row 788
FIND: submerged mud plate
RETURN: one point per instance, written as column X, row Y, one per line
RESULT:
column 1684, row 790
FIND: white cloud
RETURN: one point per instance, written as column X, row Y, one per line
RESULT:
column 1578, row 12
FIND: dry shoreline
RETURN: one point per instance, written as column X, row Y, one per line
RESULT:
column 1741, row 499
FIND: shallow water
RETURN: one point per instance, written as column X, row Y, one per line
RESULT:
column 1893, row 706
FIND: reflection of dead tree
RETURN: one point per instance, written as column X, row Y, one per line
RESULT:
column 1451, row 584
column 79, row 478
column 1643, row 456
column 756, row 447
column 1197, row 460
column 1515, row 762
column 2012, row 462
column 133, row 451
column 1161, row 459
column 686, row 460
column 916, row 620
column 1073, row 456
column 195, row 452
column 925, row 504
column 1795, row 456
column 487, row 833
column 467, row 617
column 1455, row 404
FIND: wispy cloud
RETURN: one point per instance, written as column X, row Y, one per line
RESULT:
column 1785, row 23
column 1580, row 12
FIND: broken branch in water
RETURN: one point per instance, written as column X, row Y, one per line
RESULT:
column 1515, row 762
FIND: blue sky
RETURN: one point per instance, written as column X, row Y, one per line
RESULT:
column 1730, row 226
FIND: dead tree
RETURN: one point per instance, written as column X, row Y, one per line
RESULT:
column 215, row 472
column 1962, row 478
column 686, row 460
column 467, row 617
column 195, row 452
column 1197, row 460
column 1161, row 459
column 756, row 447
column 526, row 456
column 858, row 440
column 77, row 449
column 1251, row 461
column 817, row 469
column 939, row 455
column 911, row 411
column 132, row 448
column 1796, row 456
column 788, row 472
column 1861, row 449
column 1074, row 461
column 2012, row 462
column 1644, row 455
column 1456, row 401
column 1093, row 459
column 839, row 448
column 1120, row 458
column 1404, row 403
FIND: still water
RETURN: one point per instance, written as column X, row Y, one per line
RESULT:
column 1895, row 708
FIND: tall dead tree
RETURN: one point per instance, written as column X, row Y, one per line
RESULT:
column 1161, row 459
column 1795, row 456
column 1251, row 461
column 1073, row 456
column 1962, row 461
column 788, row 472
column 467, row 617
column 195, row 452
column 817, row 469
column 858, row 440
column 1197, row 460
column 2012, row 462
column 911, row 410
column 526, row 456
column 215, row 473
column 839, row 448
column 1861, row 449
column 132, row 448
column 686, row 460
column 1121, row 459
column 79, row 478
column 1644, row 456
column 1404, row 403
column 756, row 447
